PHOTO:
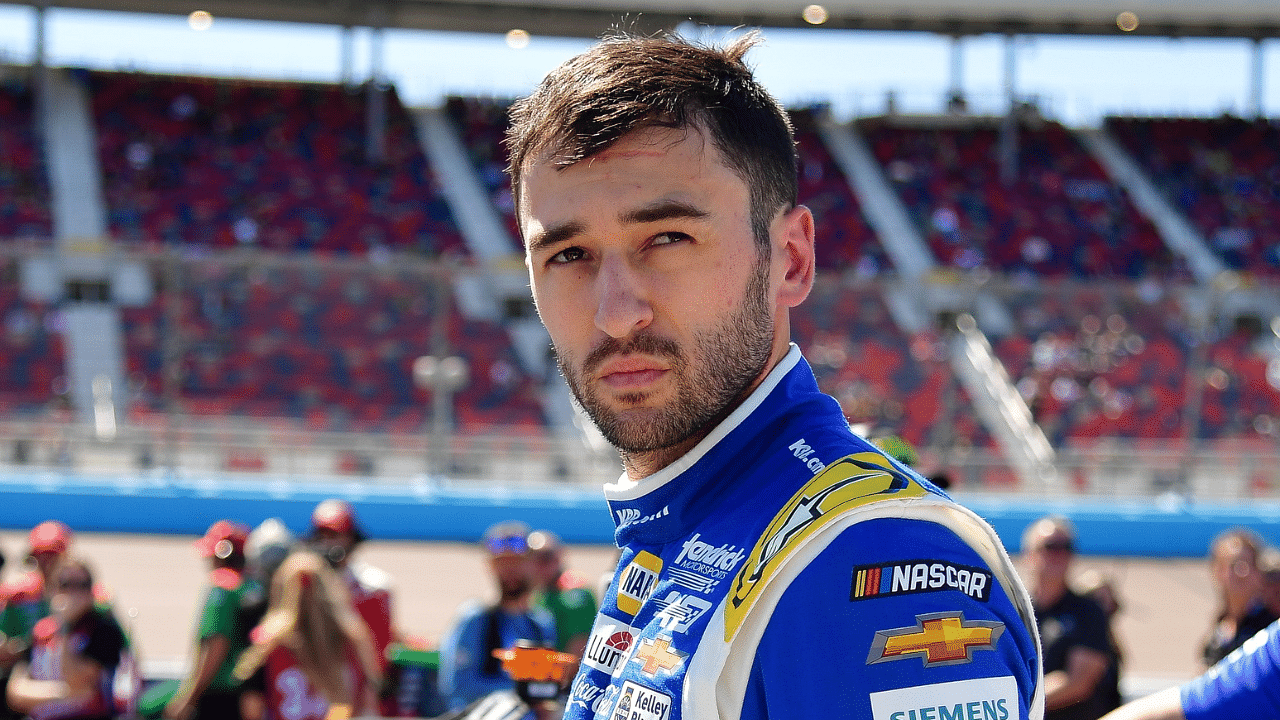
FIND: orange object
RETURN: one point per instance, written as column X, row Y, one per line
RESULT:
column 525, row 664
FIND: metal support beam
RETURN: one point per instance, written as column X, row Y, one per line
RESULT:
column 1257, row 77
column 346, row 56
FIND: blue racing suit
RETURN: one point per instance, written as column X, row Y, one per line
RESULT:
column 1245, row 684
column 786, row 568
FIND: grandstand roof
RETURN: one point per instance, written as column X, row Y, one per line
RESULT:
column 588, row 18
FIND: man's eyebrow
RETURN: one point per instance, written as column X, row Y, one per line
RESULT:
column 663, row 210
column 654, row 212
column 555, row 235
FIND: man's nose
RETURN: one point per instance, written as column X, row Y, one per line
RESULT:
column 622, row 304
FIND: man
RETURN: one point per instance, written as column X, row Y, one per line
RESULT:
column 468, row 669
column 1074, row 630
column 336, row 534
column 210, row 691
column 773, row 563
column 1246, row 684
column 561, row 592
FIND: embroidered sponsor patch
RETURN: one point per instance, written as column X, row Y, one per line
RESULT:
column 917, row 576
column 609, row 642
column 656, row 655
column 678, row 611
column 637, row 702
column 850, row 482
column 943, row 638
column 979, row 699
column 637, row 582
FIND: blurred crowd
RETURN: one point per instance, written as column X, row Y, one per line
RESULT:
column 300, row 628
column 292, row 628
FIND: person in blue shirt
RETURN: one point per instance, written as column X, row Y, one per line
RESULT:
column 1245, row 685
column 468, row 669
column 774, row 564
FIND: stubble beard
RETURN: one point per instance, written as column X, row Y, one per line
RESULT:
column 732, row 356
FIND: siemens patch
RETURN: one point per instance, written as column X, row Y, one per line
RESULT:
column 979, row 699
column 917, row 576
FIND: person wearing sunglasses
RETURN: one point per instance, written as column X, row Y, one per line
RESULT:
column 67, row 672
column 469, row 671
column 1074, row 631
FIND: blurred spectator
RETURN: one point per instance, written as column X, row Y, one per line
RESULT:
column 1074, row 632
column 468, row 668
column 561, row 592
column 67, row 671
column 266, row 548
column 27, row 597
column 336, row 534
column 1233, row 563
column 1102, row 589
column 1269, row 564
column 316, row 653
column 210, row 691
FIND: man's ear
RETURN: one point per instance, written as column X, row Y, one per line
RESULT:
column 794, row 250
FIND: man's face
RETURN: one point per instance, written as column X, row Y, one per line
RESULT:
column 1050, row 554
column 646, row 273
column 513, row 573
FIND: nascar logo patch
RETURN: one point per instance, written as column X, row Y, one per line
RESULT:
column 908, row 577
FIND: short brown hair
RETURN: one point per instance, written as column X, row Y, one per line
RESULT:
column 627, row 82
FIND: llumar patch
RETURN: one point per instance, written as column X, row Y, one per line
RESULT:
column 850, row 482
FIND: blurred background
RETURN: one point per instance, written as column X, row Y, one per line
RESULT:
column 262, row 253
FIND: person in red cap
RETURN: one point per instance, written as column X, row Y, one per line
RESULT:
column 335, row 535
column 211, row 691
column 28, row 596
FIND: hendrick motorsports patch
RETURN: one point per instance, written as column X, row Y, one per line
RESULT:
column 980, row 699
column 917, row 576
column 637, row 702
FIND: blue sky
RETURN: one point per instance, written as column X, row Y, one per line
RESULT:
column 1076, row 80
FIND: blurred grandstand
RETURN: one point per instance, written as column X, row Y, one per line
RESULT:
column 229, row 276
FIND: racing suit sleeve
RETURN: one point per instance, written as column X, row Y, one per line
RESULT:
column 1245, row 684
column 895, row 619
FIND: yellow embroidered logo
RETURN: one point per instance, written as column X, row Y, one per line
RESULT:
column 637, row 582
column 853, row 481
column 937, row 639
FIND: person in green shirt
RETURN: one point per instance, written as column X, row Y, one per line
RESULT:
column 210, row 691
column 561, row 592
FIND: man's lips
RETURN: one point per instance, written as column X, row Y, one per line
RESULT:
column 631, row 372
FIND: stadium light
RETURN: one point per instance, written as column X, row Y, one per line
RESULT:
column 517, row 39
column 815, row 15
column 1127, row 21
column 200, row 20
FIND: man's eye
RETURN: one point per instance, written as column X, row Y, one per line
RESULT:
column 567, row 255
column 667, row 238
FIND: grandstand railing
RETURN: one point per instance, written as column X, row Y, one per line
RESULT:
column 228, row 450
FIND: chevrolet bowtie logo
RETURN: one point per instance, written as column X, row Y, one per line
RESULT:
column 657, row 655
column 937, row 639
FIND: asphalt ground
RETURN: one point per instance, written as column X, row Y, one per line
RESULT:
column 157, row 583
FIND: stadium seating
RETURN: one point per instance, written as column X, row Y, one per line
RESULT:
column 31, row 351
column 1223, row 174
column 482, row 123
column 281, row 166
column 332, row 348
column 887, row 380
column 24, row 189
column 844, row 240
column 1060, row 217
